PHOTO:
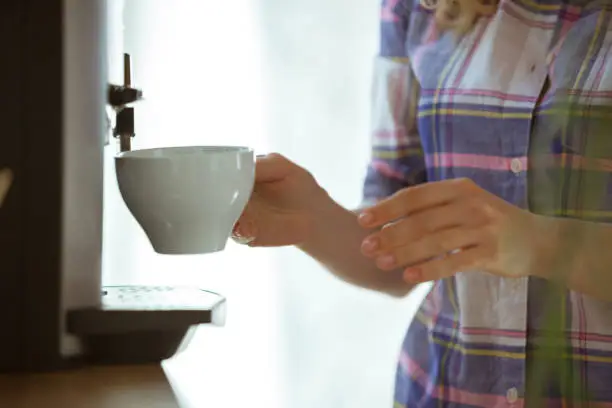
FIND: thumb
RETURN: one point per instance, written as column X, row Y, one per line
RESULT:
column 272, row 167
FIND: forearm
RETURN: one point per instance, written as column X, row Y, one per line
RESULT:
column 581, row 259
column 335, row 242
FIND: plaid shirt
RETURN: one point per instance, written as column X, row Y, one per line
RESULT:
column 484, row 108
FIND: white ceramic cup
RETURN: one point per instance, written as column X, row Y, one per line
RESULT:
column 186, row 199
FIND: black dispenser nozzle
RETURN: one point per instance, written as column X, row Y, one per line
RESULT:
column 120, row 97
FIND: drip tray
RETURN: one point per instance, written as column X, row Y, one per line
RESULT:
column 143, row 324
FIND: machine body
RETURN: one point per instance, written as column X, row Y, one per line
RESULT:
column 53, row 308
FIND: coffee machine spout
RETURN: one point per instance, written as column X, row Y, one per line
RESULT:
column 120, row 99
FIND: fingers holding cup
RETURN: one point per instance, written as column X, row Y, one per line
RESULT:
column 243, row 232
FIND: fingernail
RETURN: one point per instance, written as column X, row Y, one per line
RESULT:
column 245, row 229
column 413, row 274
column 370, row 244
column 386, row 261
column 366, row 217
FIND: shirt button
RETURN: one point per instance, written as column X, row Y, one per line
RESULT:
column 512, row 395
column 516, row 166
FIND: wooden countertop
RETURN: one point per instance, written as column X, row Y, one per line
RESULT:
column 93, row 387
column 229, row 367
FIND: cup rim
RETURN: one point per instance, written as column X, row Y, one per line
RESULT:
column 147, row 153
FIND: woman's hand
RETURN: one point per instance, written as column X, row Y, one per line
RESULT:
column 437, row 229
column 288, row 207
column 285, row 201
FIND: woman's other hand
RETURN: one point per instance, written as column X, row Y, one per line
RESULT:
column 437, row 229
column 283, row 206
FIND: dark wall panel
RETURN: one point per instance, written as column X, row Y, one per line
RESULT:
column 11, row 155
column 30, row 144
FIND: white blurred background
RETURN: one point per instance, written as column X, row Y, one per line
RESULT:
column 291, row 76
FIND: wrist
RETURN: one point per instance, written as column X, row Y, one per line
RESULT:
column 560, row 248
column 576, row 255
column 321, row 215
column 546, row 240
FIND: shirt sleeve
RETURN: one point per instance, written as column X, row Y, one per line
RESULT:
column 396, row 154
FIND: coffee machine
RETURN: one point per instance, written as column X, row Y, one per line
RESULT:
column 57, row 111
